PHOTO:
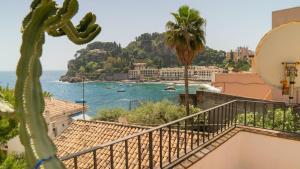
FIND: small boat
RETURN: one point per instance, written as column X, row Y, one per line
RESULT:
column 170, row 88
column 121, row 90
column 80, row 101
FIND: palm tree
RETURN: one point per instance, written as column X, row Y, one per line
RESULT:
column 186, row 35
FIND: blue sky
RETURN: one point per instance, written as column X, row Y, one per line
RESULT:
column 230, row 23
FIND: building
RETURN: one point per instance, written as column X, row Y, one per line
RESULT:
column 82, row 135
column 203, row 145
column 176, row 73
column 240, row 53
column 285, row 16
column 197, row 73
column 149, row 74
column 58, row 114
column 205, row 73
column 140, row 72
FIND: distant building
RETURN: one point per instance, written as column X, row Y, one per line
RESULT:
column 241, row 53
column 195, row 73
column 149, row 74
column 140, row 72
column 205, row 73
column 175, row 73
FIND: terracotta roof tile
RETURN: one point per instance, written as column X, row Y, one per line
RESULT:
column 56, row 107
column 81, row 135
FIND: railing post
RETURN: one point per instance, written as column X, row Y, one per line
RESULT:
column 139, row 152
column 75, row 163
column 236, row 113
column 150, row 151
column 170, row 144
column 111, row 150
column 283, row 120
column 245, row 118
column 254, row 113
column 126, row 154
column 178, row 139
column 160, row 147
column 95, row 159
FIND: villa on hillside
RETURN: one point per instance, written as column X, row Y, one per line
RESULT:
column 240, row 53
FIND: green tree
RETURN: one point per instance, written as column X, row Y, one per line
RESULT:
column 186, row 35
column 148, row 113
column 44, row 16
column 13, row 161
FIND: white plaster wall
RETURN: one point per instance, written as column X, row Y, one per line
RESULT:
column 253, row 151
column 14, row 146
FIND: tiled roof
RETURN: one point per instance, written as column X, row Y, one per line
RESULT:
column 81, row 135
column 56, row 107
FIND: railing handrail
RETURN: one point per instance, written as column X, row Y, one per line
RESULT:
column 261, row 101
column 70, row 156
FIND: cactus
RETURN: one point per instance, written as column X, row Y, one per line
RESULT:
column 44, row 17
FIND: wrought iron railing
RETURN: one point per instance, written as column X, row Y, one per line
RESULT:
column 167, row 145
column 269, row 115
column 158, row 147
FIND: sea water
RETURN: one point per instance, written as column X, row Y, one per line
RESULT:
column 101, row 95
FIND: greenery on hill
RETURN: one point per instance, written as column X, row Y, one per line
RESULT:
column 148, row 113
column 100, row 58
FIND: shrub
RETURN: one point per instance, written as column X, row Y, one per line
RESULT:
column 110, row 114
column 13, row 161
column 268, row 121
column 148, row 113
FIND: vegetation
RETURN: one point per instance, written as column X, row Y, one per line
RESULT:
column 110, row 57
column 278, row 119
column 13, row 161
column 44, row 16
column 186, row 35
column 240, row 65
column 148, row 113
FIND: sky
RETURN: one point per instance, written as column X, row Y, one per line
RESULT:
column 230, row 23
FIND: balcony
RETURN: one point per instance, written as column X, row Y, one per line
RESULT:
column 185, row 142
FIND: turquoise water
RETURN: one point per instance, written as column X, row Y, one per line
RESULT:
column 100, row 95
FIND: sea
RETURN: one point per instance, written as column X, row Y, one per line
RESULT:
column 102, row 95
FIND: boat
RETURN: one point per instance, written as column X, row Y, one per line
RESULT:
column 80, row 101
column 170, row 88
column 121, row 90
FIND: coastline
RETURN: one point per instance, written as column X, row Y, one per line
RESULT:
column 167, row 82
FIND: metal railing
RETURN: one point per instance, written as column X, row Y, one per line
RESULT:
column 158, row 147
column 269, row 115
column 167, row 145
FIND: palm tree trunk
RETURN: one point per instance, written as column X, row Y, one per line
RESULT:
column 186, row 85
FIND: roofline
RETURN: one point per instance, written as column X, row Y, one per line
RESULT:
column 114, row 123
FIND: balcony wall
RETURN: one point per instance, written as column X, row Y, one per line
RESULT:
column 253, row 151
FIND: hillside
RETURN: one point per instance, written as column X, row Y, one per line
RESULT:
column 101, row 59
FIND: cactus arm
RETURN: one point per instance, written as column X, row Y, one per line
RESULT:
column 28, row 91
column 44, row 16
column 75, row 37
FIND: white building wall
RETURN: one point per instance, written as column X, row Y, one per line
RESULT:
column 253, row 151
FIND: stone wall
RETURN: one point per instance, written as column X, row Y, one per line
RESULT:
column 206, row 100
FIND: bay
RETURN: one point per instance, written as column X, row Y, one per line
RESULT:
column 101, row 95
